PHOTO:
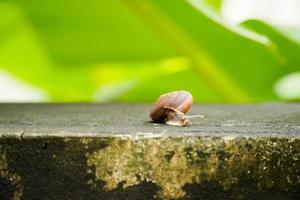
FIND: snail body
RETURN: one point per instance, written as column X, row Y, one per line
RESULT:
column 171, row 108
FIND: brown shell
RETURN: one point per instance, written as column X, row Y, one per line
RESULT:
column 180, row 100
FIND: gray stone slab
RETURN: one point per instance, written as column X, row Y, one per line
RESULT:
column 275, row 119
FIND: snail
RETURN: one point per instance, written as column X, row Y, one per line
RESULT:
column 171, row 108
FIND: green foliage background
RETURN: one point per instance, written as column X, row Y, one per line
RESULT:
column 134, row 50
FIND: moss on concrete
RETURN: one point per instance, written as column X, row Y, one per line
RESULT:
column 147, row 168
column 174, row 162
column 11, row 183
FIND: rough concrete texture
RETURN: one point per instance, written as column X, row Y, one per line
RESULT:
column 84, row 151
column 133, row 120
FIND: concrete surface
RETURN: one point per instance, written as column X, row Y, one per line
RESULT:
column 111, row 120
column 89, row 151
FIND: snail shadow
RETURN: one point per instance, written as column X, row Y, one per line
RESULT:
column 151, row 123
column 163, row 126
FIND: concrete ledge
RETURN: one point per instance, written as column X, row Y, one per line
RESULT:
column 88, row 151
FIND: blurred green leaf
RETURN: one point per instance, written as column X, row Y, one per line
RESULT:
column 105, row 51
column 216, row 4
column 92, row 31
column 286, row 87
column 149, row 89
column 241, row 65
column 145, row 81
column 288, row 47
column 22, row 52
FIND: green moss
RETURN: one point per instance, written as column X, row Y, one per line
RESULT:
column 173, row 162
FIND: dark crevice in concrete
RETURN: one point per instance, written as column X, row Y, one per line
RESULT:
column 205, row 190
column 7, row 189
column 244, row 189
column 50, row 169
column 142, row 191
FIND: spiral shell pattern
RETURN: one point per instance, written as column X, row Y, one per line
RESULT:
column 181, row 100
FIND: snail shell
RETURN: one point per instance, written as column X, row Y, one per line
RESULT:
column 178, row 100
